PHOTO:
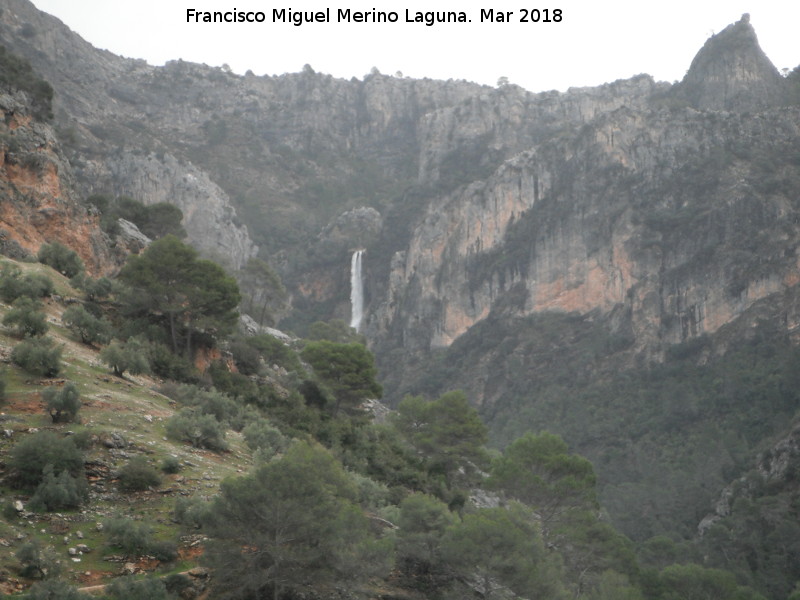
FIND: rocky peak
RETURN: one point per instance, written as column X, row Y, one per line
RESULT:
column 731, row 72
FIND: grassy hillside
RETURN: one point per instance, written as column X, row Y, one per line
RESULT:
column 120, row 419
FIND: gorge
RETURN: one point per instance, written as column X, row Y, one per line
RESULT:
column 618, row 265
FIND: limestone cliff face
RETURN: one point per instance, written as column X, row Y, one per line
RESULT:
column 672, row 208
column 37, row 202
column 627, row 201
column 644, row 210
column 731, row 72
column 208, row 218
column 109, row 141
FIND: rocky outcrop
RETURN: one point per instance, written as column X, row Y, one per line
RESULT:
column 642, row 210
column 130, row 237
column 209, row 220
column 98, row 104
column 731, row 72
column 36, row 186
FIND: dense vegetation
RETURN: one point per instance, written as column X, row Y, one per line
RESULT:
column 335, row 499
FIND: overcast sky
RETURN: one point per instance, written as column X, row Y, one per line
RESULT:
column 595, row 42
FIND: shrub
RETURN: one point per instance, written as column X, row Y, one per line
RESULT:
column 88, row 328
column 136, row 539
column 246, row 357
column 130, row 537
column 176, row 583
column 64, row 260
column 211, row 402
column 38, row 356
column 170, row 465
column 233, row 384
column 37, row 561
column 29, row 458
column 130, row 356
column 137, row 475
column 16, row 71
column 261, row 435
column 64, row 404
column 14, row 285
column 275, row 351
column 26, row 318
column 166, row 364
column 60, row 491
column 53, row 589
column 128, row 588
column 191, row 512
column 94, row 289
column 201, row 431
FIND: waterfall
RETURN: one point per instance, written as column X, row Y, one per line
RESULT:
column 356, row 290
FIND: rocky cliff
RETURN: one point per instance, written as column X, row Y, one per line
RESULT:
column 37, row 201
column 106, row 133
column 632, row 198
column 670, row 207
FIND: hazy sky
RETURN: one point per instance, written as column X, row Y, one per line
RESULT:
column 595, row 42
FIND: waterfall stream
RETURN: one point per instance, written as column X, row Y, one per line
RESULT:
column 356, row 290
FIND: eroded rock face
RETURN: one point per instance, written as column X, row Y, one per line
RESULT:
column 208, row 218
column 98, row 102
column 731, row 72
column 647, row 210
column 670, row 207
column 36, row 186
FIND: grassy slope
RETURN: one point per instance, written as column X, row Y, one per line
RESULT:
column 128, row 406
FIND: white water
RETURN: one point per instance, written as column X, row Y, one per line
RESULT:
column 356, row 290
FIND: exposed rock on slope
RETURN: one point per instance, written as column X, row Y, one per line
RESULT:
column 98, row 105
column 731, row 72
column 37, row 203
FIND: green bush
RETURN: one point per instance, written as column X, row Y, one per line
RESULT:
column 130, row 356
column 26, row 319
column 129, row 536
column 64, row 404
column 86, row 327
column 94, row 289
column 137, row 475
column 38, row 562
column 28, row 459
column 176, row 583
column 275, row 351
column 53, row 589
column 261, row 435
column 211, row 402
column 128, row 588
column 38, row 356
column 136, row 539
column 14, row 285
column 170, row 465
column 201, row 431
column 246, row 357
column 191, row 512
column 57, row 492
column 64, row 260
column 166, row 364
